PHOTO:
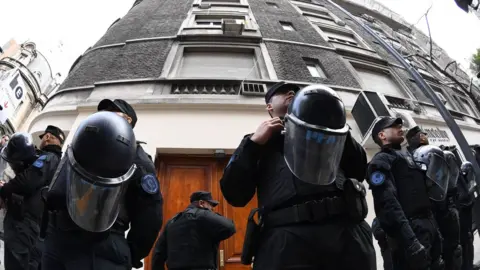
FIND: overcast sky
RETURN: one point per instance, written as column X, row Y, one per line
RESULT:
column 63, row 30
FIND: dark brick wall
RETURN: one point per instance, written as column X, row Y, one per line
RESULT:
column 268, row 19
column 289, row 64
column 132, row 61
column 149, row 18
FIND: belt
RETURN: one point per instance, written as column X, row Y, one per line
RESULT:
column 62, row 221
column 308, row 212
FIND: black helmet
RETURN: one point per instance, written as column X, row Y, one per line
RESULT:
column 101, row 163
column 20, row 148
column 104, row 145
column 319, row 105
column 315, row 134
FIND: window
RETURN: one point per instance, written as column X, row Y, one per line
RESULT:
column 346, row 38
column 379, row 81
column 314, row 68
column 287, row 26
column 466, row 105
column 273, row 5
column 442, row 96
column 317, row 15
column 214, row 20
column 209, row 63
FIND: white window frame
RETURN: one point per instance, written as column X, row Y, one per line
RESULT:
column 273, row 5
column 378, row 68
column 469, row 103
column 248, row 20
column 315, row 64
column 172, row 71
column 285, row 25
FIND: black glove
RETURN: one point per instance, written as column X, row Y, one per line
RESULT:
column 417, row 256
column 137, row 264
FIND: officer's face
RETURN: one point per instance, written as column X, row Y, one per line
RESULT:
column 423, row 139
column 49, row 139
column 4, row 140
column 279, row 103
column 392, row 134
column 121, row 114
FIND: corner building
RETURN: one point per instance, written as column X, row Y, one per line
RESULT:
column 196, row 72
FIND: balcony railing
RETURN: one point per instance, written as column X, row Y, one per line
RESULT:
column 217, row 87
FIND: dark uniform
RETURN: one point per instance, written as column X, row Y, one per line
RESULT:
column 68, row 245
column 382, row 240
column 465, row 207
column 306, row 226
column 446, row 215
column 25, row 207
column 190, row 239
column 402, row 206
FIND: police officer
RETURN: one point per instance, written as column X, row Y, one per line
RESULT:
column 382, row 240
column 312, row 212
column 145, row 211
column 22, row 195
column 191, row 238
column 465, row 207
column 445, row 211
column 95, row 195
column 401, row 199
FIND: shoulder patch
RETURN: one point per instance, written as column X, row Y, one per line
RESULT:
column 40, row 162
column 377, row 178
column 149, row 184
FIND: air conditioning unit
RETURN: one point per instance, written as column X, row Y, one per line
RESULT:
column 204, row 6
column 442, row 98
column 369, row 106
column 232, row 26
column 340, row 22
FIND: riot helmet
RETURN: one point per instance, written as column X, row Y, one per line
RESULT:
column 19, row 151
column 315, row 134
column 453, row 169
column 431, row 159
column 97, row 166
column 467, row 171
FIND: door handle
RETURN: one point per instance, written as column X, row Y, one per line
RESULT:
column 222, row 261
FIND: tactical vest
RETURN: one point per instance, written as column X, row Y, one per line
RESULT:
column 411, row 185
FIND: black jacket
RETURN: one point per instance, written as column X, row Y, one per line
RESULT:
column 190, row 240
column 29, row 182
column 262, row 169
column 144, row 210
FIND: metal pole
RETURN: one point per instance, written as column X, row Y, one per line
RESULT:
column 457, row 133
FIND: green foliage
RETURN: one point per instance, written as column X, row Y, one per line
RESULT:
column 475, row 61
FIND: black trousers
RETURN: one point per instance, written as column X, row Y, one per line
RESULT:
column 22, row 250
column 466, row 236
column 449, row 224
column 336, row 245
column 382, row 240
column 77, row 250
column 427, row 233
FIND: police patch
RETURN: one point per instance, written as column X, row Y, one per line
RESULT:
column 377, row 178
column 150, row 184
column 39, row 162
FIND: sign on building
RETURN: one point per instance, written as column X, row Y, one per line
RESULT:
column 12, row 93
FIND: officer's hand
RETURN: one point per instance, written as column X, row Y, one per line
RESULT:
column 417, row 256
column 266, row 129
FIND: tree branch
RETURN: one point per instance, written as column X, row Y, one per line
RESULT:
column 429, row 33
column 451, row 77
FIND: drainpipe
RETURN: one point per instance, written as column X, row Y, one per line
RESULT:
column 457, row 133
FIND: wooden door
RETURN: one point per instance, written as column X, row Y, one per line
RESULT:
column 179, row 177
